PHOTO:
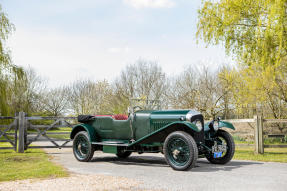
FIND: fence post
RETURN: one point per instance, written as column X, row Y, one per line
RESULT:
column 16, row 121
column 21, row 123
column 258, row 134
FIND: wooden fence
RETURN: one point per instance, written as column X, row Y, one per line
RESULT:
column 9, row 132
column 258, row 131
column 34, row 129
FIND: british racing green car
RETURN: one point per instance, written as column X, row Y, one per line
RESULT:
column 180, row 135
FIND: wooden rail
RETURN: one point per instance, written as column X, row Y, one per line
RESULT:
column 6, row 136
column 30, row 132
column 241, row 120
column 258, row 132
column 42, row 131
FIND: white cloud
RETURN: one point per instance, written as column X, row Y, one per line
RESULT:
column 150, row 3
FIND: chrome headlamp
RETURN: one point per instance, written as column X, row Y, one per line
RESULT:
column 190, row 114
column 215, row 125
column 198, row 124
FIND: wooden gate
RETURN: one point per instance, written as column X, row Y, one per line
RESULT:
column 55, row 130
column 21, row 131
column 8, row 132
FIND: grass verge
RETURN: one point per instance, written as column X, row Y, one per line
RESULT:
column 34, row 163
column 270, row 154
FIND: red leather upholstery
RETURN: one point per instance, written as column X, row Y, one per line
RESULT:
column 120, row 117
column 116, row 117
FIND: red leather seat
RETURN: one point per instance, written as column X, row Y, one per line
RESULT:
column 120, row 117
column 116, row 117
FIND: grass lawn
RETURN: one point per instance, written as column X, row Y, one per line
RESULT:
column 34, row 163
column 267, row 141
column 270, row 154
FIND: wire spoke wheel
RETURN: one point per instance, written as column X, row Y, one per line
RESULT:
column 82, row 148
column 180, row 150
column 222, row 141
column 222, row 138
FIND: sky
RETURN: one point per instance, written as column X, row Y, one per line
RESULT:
column 67, row 40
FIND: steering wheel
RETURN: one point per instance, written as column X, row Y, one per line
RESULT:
column 139, row 107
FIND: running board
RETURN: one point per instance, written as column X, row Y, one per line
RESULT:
column 111, row 143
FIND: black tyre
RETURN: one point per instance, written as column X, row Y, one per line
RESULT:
column 226, row 138
column 123, row 154
column 180, row 150
column 82, row 148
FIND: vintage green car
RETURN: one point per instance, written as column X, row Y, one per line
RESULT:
column 179, row 134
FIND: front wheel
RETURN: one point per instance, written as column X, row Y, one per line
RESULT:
column 223, row 137
column 82, row 148
column 180, row 150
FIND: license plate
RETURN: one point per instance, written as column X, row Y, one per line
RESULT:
column 217, row 154
column 218, row 148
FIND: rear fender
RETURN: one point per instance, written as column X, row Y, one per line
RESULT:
column 160, row 134
column 84, row 127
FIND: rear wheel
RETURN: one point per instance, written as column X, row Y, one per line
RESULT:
column 82, row 148
column 223, row 137
column 180, row 150
column 123, row 154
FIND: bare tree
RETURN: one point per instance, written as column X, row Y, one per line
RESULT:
column 209, row 98
column 55, row 101
column 26, row 92
column 36, row 87
column 184, row 89
column 87, row 97
column 199, row 89
column 143, row 79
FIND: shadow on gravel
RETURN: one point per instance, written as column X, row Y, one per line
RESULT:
column 205, row 166
column 134, row 160
column 202, row 165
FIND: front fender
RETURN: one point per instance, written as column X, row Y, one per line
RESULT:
column 185, row 123
column 84, row 127
column 226, row 124
column 160, row 134
column 220, row 125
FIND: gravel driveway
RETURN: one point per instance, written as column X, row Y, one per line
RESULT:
column 154, row 173
column 75, row 182
column 150, row 172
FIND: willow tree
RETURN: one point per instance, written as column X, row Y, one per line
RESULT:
column 254, row 33
column 9, row 73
